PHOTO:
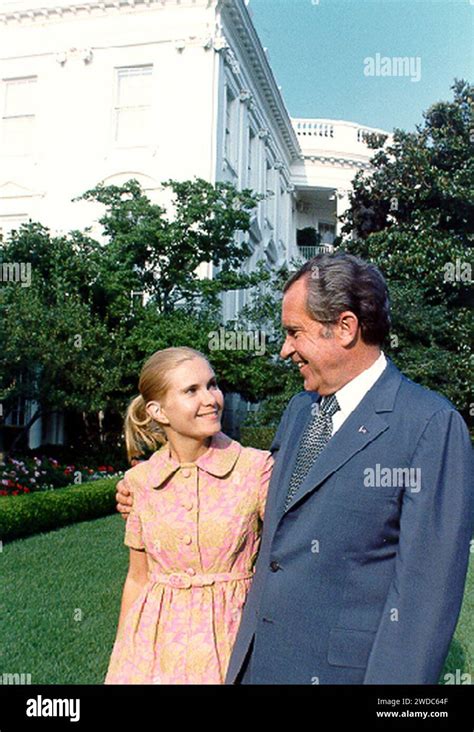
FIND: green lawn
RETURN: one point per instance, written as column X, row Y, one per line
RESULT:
column 59, row 602
column 60, row 596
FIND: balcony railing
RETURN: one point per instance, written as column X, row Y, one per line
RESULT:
column 310, row 252
column 313, row 128
column 326, row 134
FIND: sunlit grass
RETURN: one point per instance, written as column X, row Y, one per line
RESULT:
column 60, row 596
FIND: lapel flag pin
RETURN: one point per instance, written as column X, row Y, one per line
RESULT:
column 363, row 429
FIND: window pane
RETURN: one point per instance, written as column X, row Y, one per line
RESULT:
column 133, row 126
column 17, row 135
column 19, row 97
column 11, row 222
column 133, row 107
column 328, row 233
column 134, row 87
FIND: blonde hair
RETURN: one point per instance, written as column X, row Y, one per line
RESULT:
column 142, row 431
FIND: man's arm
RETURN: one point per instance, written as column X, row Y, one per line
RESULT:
column 425, row 596
column 124, row 498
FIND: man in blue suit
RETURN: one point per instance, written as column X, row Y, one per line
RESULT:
column 369, row 515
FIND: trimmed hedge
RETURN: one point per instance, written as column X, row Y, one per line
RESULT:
column 45, row 510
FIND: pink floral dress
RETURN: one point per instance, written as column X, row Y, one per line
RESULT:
column 199, row 524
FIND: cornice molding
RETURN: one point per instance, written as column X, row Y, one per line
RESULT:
column 237, row 24
column 93, row 7
column 333, row 160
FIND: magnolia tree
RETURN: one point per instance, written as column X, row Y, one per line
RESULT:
column 75, row 338
column 413, row 215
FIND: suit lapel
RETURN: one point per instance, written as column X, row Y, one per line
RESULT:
column 355, row 434
column 362, row 426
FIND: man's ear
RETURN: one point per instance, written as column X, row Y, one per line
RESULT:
column 348, row 327
column 156, row 412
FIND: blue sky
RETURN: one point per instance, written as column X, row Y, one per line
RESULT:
column 317, row 50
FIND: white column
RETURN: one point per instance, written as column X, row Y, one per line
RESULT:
column 342, row 204
column 34, row 433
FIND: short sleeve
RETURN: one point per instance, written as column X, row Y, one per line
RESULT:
column 133, row 527
column 265, row 476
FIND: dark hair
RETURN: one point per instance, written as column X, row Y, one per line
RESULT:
column 338, row 282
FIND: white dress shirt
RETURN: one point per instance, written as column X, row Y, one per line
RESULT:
column 354, row 391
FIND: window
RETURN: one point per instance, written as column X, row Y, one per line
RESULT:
column 133, row 106
column 327, row 233
column 11, row 222
column 230, row 146
column 17, row 416
column 282, row 210
column 252, row 181
column 270, row 193
column 18, row 119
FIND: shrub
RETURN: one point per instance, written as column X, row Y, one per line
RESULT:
column 23, row 515
column 259, row 437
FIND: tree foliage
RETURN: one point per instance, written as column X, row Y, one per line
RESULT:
column 76, row 337
column 164, row 249
column 413, row 215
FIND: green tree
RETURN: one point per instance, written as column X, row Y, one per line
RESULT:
column 77, row 336
column 413, row 216
column 52, row 349
column 279, row 380
column 163, row 249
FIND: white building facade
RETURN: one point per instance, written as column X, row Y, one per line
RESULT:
column 108, row 90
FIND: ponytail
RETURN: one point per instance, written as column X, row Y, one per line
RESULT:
column 141, row 431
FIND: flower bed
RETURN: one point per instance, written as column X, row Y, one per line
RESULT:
column 18, row 477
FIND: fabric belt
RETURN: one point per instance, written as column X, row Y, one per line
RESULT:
column 182, row 580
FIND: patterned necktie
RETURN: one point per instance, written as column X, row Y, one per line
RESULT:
column 316, row 435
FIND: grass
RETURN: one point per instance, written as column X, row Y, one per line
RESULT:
column 60, row 597
column 59, row 602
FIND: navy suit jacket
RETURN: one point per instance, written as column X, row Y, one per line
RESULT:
column 361, row 579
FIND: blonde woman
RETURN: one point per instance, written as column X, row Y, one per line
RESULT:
column 193, row 531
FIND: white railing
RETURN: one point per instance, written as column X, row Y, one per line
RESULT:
column 313, row 128
column 312, row 251
column 333, row 134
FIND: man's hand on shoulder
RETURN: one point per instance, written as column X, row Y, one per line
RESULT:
column 124, row 498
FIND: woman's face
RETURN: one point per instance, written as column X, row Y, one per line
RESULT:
column 193, row 404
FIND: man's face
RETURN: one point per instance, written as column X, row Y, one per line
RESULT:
column 315, row 347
